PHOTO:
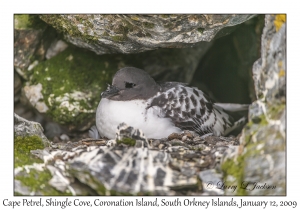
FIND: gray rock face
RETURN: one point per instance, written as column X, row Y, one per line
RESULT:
column 105, row 34
column 25, row 46
column 259, row 164
column 269, row 71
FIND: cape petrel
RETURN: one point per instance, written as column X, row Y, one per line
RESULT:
column 158, row 110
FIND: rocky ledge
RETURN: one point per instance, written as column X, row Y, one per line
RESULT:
column 131, row 164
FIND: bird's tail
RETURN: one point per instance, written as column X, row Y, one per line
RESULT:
column 233, row 107
column 93, row 132
column 237, row 127
column 239, row 112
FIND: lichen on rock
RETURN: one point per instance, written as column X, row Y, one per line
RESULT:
column 105, row 34
column 258, row 166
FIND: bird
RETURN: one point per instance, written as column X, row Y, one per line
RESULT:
column 160, row 109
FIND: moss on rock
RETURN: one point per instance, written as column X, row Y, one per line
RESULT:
column 21, row 21
column 65, row 26
column 38, row 183
column 28, row 21
column 127, row 141
column 72, row 82
column 105, row 33
column 260, row 141
column 22, row 148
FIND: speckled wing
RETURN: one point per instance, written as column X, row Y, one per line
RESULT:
column 190, row 109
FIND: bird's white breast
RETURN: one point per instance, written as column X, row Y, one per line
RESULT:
column 134, row 113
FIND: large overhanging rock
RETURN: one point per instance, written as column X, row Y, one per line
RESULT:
column 258, row 166
column 105, row 34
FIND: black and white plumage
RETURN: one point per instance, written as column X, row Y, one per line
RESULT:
column 158, row 110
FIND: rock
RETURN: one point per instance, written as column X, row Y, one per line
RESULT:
column 23, row 127
column 174, row 136
column 64, row 137
column 190, row 134
column 100, row 180
column 25, row 45
column 261, row 156
column 118, row 167
column 66, row 184
column 212, row 182
column 104, row 34
column 267, row 78
column 30, row 174
column 67, row 87
column 52, row 129
column 17, row 87
column 56, row 47
column 31, row 39
column 21, row 189
column 34, row 95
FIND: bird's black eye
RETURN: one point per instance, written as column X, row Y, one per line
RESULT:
column 129, row 85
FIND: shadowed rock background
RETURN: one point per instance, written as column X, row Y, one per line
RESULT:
column 63, row 62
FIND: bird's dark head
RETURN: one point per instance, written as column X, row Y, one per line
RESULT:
column 131, row 83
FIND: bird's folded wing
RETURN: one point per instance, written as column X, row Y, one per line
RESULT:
column 190, row 109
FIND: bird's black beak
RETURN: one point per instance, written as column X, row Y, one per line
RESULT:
column 110, row 91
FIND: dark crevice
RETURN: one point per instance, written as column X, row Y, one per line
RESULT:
column 225, row 72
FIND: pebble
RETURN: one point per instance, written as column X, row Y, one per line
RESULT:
column 64, row 137
column 188, row 134
column 198, row 138
column 174, row 136
column 56, row 139
column 160, row 146
column 155, row 143
column 220, row 143
column 111, row 143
